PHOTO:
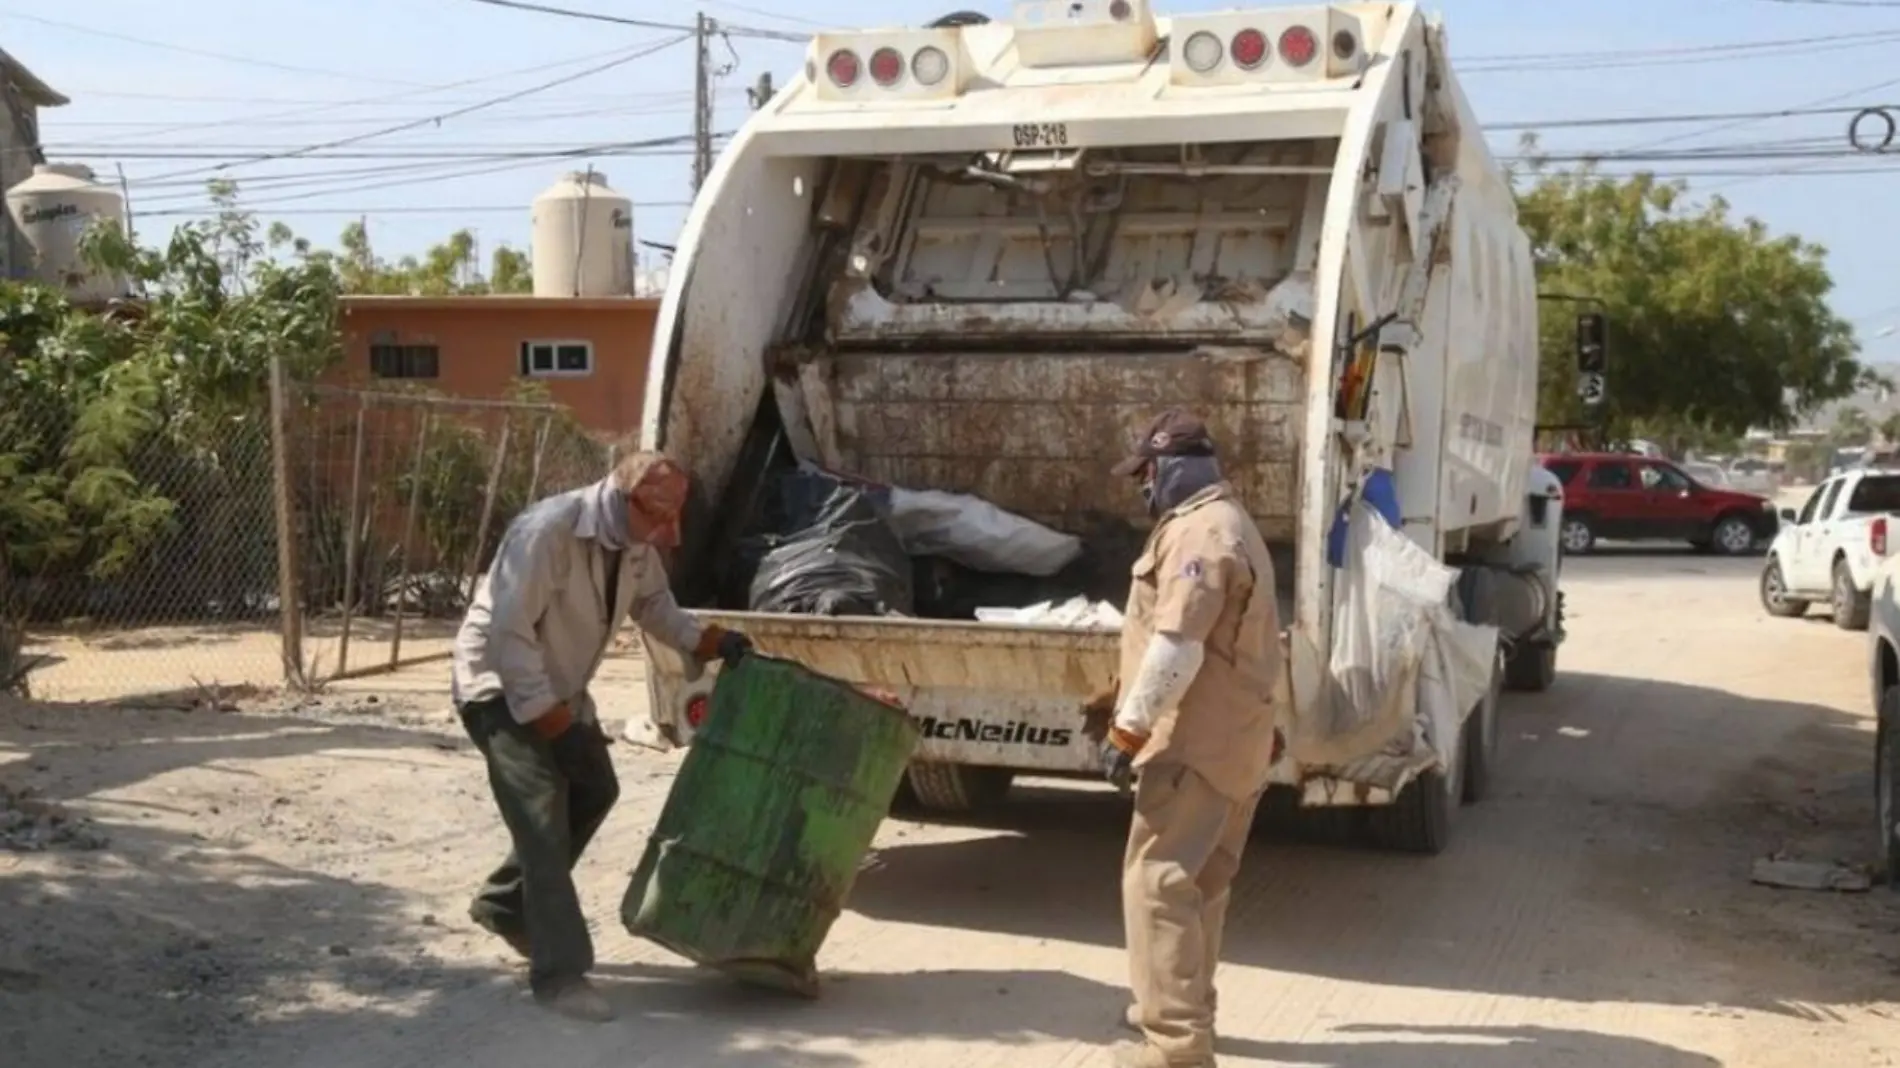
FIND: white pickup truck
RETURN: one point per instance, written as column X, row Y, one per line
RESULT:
column 978, row 256
column 1830, row 549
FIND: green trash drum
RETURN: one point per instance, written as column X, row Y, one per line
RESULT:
column 768, row 822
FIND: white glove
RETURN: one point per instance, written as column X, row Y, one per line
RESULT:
column 1168, row 667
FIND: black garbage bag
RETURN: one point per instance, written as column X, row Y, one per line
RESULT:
column 838, row 556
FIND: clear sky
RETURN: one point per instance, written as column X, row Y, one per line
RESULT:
column 240, row 80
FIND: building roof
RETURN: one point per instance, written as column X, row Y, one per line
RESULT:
column 28, row 83
column 504, row 302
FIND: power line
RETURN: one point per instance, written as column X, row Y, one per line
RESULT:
column 645, row 24
column 423, row 209
column 1682, row 50
column 1837, row 3
column 339, row 104
column 1665, row 120
column 1612, row 63
column 205, row 53
column 639, row 53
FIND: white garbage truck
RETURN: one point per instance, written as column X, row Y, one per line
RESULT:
column 979, row 257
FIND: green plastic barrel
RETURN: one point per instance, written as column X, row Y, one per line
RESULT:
column 768, row 822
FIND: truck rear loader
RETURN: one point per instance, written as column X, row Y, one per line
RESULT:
column 979, row 256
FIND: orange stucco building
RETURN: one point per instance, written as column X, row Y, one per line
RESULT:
column 590, row 352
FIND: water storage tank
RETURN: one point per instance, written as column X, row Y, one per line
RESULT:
column 583, row 239
column 52, row 210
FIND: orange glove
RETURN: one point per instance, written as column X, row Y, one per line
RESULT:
column 554, row 722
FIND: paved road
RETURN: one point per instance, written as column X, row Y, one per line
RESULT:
column 1596, row 912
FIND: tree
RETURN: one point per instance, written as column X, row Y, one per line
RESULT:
column 447, row 268
column 1851, row 427
column 1716, row 325
column 1890, row 429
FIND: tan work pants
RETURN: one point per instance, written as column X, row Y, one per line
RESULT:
column 1184, row 850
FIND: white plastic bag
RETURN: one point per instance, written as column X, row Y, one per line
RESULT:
column 977, row 534
column 1076, row 613
column 1382, row 632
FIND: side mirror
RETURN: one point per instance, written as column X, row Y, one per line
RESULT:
column 1788, row 515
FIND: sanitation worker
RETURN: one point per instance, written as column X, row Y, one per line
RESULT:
column 568, row 571
column 1193, row 720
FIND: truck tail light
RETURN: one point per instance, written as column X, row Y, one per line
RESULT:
column 696, row 709
column 1202, row 52
column 1249, row 49
column 1298, row 46
column 1877, row 536
column 843, row 67
column 887, row 66
column 929, row 65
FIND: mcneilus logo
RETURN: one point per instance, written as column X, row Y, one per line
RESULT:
column 975, row 730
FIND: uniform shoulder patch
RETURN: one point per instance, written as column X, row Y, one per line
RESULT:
column 1193, row 569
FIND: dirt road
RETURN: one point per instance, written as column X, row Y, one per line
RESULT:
column 291, row 892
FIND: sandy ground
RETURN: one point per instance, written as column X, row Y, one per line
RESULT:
column 287, row 886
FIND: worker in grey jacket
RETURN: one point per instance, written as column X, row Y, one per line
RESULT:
column 568, row 571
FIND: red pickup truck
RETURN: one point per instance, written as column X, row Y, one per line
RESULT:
column 1637, row 498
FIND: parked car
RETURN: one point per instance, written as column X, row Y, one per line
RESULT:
column 1831, row 549
column 1636, row 498
column 1885, row 647
column 1754, row 476
column 1710, row 475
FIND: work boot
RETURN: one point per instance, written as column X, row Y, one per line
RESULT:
column 575, row 999
column 1131, row 1021
column 1130, row 1055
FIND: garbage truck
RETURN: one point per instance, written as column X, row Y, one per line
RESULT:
column 979, row 256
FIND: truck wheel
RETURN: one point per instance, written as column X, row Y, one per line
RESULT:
column 1531, row 667
column 1774, row 594
column 1887, row 783
column 957, row 787
column 1851, row 606
column 1418, row 820
column 1576, row 536
column 1481, row 739
column 1733, row 536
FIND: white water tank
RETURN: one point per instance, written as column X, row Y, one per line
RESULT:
column 53, row 209
column 583, row 239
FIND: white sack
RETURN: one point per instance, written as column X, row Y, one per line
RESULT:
column 1076, row 613
column 977, row 534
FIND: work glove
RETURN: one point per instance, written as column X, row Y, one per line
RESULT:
column 1119, row 750
column 716, row 642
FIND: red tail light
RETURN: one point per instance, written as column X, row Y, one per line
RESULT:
column 886, row 66
column 843, row 68
column 1249, row 49
column 1877, row 536
column 696, row 711
column 1298, row 46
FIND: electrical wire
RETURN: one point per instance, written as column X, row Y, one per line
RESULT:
column 646, row 24
column 426, row 209
column 202, row 52
column 622, row 60
column 1681, row 50
column 322, row 107
column 1611, row 63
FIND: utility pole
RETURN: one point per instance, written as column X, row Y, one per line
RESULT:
column 702, row 101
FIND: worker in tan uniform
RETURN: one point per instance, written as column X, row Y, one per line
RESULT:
column 1194, row 720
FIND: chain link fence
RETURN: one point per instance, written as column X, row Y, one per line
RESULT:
column 400, row 500
column 157, row 573
column 141, row 557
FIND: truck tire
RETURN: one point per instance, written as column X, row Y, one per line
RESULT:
column 957, row 787
column 1887, row 784
column 1530, row 667
column 1774, row 593
column 1851, row 606
column 1419, row 820
column 1480, row 739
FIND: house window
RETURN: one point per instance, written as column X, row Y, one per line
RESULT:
column 543, row 359
column 405, row 361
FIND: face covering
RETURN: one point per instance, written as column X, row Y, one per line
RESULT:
column 1175, row 479
column 610, row 509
